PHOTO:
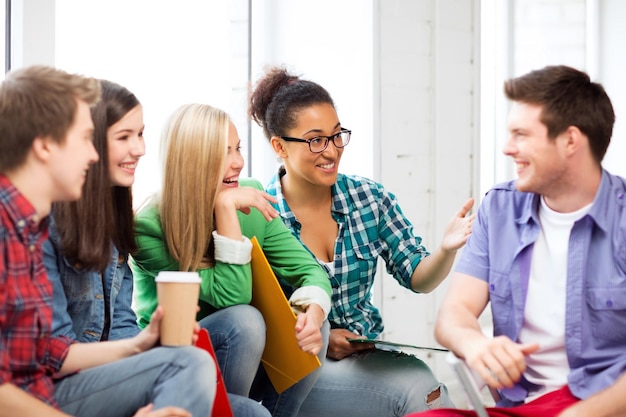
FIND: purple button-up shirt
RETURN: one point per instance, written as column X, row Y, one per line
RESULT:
column 499, row 252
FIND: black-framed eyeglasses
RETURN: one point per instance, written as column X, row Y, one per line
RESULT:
column 319, row 144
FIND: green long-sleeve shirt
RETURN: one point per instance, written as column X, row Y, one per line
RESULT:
column 224, row 284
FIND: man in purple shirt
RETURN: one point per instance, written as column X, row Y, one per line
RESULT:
column 46, row 148
column 549, row 252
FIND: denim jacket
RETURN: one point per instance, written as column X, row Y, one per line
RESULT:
column 80, row 296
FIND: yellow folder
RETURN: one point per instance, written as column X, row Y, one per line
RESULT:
column 284, row 361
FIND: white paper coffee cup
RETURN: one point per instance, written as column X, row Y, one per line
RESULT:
column 178, row 293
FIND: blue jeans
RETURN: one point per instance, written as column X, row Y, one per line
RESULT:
column 246, row 407
column 373, row 384
column 288, row 403
column 165, row 376
column 238, row 337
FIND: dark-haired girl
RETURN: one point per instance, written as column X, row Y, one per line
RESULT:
column 347, row 223
column 90, row 239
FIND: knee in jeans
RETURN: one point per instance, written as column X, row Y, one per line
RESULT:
column 251, row 322
column 236, row 326
column 199, row 370
column 195, row 358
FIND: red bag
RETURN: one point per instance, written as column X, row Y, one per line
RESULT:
column 221, row 405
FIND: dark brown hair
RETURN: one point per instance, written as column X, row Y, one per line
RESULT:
column 104, row 213
column 37, row 102
column 568, row 98
column 279, row 96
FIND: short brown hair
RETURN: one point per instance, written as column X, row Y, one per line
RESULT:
column 38, row 101
column 568, row 98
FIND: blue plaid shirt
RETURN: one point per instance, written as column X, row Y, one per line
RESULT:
column 371, row 224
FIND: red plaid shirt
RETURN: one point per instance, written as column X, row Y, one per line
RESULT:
column 29, row 356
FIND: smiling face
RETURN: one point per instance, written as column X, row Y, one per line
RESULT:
column 234, row 160
column 70, row 160
column 318, row 169
column 125, row 146
column 540, row 162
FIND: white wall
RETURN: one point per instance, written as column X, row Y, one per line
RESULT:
column 611, row 65
column 428, row 78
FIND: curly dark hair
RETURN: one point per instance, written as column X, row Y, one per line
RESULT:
column 279, row 96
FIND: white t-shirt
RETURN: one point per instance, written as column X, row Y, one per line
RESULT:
column 544, row 316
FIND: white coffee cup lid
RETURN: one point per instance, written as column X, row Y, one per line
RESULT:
column 178, row 276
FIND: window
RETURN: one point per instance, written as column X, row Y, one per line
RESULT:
column 167, row 53
column 171, row 53
column 5, row 28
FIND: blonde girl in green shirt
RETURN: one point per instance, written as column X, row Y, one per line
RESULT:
column 201, row 220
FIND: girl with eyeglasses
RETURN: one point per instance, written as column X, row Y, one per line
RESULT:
column 347, row 222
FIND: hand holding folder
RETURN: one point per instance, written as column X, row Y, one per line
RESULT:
column 283, row 360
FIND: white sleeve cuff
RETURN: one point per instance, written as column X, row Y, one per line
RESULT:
column 230, row 251
column 303, row 296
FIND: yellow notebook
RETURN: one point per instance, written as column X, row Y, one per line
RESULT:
column 284, row 361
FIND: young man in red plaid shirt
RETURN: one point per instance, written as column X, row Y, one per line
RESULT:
column 45, row 150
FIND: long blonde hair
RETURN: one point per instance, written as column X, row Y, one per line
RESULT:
column 194, row 146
